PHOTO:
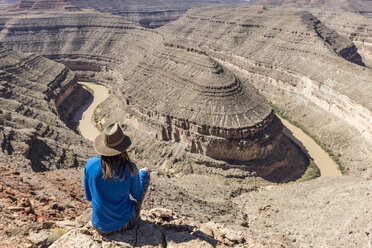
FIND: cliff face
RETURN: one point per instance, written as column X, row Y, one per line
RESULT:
column 354, row 25
column 149, row 14
column 294, row 63
column 33, row 89
column 340, row 44
column 347, row 4
column 174, row 93
column 42, row 5
column 352, row 19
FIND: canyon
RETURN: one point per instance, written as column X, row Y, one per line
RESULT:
column 203, row 106
column 198, row 95
column 33, row 90
column 256, row 46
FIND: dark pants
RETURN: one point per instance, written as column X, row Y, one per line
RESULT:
column 136, row 214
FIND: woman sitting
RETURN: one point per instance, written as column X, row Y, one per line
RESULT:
column 113, row 183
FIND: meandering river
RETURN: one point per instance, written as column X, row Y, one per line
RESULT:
column 84, row 115
column 88, row 130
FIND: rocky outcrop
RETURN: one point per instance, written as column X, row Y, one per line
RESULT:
column 161, row 230
column 353, row 25
column 290, row 64
column 32, row 91
column 340, row 44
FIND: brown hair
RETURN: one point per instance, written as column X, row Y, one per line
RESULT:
column 117, row 163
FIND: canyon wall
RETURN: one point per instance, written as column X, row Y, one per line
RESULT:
column 351, row 19
column 33, row 89
column 293, row 64
column 355, row 26
column 149, row 14
column 173, row 93
column 42, row 5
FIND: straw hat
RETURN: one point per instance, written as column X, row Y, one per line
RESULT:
column 112, row 141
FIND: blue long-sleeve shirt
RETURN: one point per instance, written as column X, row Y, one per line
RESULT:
column 111, row 205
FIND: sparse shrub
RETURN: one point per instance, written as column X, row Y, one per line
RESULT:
column 312, row 172
column 16, row 231
column 57, row 233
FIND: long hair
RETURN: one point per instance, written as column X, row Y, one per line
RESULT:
column 118, row 163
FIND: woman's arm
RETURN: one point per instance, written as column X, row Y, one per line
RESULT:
column 138, row 183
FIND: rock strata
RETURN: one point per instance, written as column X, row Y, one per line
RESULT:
column 149, row 14
column 42, row 5
column 291, row 64
column 349, row 18
column 353, row 25
column 33, row 91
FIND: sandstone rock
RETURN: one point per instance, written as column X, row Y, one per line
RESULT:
column 40, row 225
column 75, row 239
column 67, row 224
column 16, row 208
column 39, row 239
column 57, row 206
column 161, row 213
column 85, row 217
column 151, row 235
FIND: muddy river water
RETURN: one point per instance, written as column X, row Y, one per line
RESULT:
column 88, row 130
column 84, row 115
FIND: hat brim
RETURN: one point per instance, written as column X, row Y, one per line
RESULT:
column 102, row 149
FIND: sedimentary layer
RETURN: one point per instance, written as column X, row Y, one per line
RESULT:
column 355, row 26
column 351, row 19
column 292, row 58
column 32, row 92
column 42, row 5
column 150, row 14
column 175, row 93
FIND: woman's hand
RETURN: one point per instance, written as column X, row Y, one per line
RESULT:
column 148, row 170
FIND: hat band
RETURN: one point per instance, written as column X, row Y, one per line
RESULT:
column 116, row 143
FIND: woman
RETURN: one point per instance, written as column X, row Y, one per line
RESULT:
column 110, row 180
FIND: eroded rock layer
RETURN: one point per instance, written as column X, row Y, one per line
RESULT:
column 150, row 14
column 292, row 58
column 41, row 5
column 355, row 26
column 353, row 19
column 174, row 93
column 32, row 91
